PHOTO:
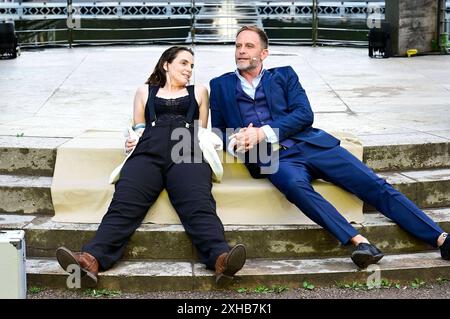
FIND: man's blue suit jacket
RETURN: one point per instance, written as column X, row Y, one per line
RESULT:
column 287, row 101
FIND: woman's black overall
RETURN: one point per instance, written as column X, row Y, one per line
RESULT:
column 148, row 171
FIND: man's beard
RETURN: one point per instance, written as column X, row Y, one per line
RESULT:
column 251, row 66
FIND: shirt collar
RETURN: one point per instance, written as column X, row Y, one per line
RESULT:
column 255, row 80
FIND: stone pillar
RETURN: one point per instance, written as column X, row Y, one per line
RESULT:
column 413, row 24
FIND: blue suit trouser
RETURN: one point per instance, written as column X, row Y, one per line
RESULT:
column 303, row 162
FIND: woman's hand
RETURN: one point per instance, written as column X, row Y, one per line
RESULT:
column 132, row 139
column 130, row 144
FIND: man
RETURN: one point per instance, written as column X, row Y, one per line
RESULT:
column 270, row 106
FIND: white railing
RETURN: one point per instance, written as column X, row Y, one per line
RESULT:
column 199, row 21
column 178, row 10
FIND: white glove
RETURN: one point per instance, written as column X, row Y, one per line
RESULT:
column 206, row 135
column 210, row 143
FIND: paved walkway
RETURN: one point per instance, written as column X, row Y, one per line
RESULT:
column 62, row 92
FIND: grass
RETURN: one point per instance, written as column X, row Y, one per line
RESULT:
column 386, row 284
column 97, row 293
column 382, row 284
column 262, row 289
column 35, row 290
column 418, row 283
column 353, row 285
column 308, row 286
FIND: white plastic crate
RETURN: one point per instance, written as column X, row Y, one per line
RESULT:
column 13, row 280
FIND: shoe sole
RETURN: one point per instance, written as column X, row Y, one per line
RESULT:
column 66, row 258
column 364, row 260
column 235, row 261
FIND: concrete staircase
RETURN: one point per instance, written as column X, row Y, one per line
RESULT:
column 162, row 257
column 218, row 21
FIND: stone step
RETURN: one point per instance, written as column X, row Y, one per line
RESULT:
column 394, row 152
column 426, row 188
column 36, row 156
column 29, row 155
column 31, row 194
column 152, row 241
column 162, row 275
column 26, row 195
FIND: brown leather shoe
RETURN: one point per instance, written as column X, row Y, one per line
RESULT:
column 87, row 263
column 227, row 264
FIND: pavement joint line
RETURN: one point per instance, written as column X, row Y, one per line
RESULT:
column 448, row 139
column 348, row 109
column 408, row 177
column 59, row 86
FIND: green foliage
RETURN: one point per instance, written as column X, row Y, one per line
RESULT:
column 35, row 290
column 263, row 289
column 279, row 289
column 102, row 293
column 20, row 135
column 242, row 290
column 307, row 285
column 441, row 280
column 354, row 285
column 418, row 283
column 382, row 284
column 385, row 283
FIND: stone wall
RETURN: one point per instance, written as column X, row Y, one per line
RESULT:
column 413, row 24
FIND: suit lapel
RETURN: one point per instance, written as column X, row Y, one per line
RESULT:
column 266, row 86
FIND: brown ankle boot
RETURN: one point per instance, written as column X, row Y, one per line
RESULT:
column 227, row 264
column 87, row 263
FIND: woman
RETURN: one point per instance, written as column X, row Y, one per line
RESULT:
column 164, row 104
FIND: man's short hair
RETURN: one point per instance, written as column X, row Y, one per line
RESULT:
column 262, row 35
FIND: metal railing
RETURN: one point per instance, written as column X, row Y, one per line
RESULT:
column 288, row 22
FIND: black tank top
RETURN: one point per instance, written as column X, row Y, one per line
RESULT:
column 171, row 109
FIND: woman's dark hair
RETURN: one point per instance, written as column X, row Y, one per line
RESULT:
column 158, row 77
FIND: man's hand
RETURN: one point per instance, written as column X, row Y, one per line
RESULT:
column 248, row 137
